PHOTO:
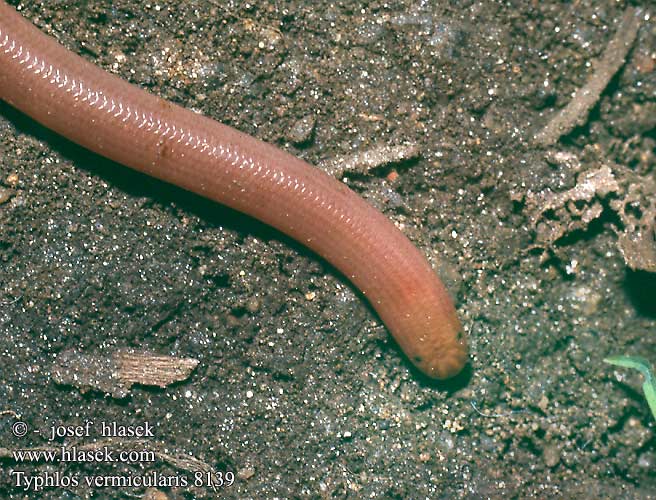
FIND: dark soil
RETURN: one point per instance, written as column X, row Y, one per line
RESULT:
column 300, row 390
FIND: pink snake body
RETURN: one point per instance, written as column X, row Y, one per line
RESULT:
column 130, row 126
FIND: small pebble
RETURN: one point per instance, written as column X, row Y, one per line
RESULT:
column 12, row 180
column 551, row 455
column 154, row 494
column 5, row 195
column 301, row 131
column 245, row 473
column 253, row 305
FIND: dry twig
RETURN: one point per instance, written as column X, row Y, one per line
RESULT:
column 576, row 112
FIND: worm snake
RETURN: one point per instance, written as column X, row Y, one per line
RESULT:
column 126, row 124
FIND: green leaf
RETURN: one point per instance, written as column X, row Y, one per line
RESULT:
column 642, row 365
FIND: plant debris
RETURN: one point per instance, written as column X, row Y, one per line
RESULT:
column 362, row 162
column 637, row 209
column 576, row 112
column 555, row 214
column 149, row 369
column 117, row 373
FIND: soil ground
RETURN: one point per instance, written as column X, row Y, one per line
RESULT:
column 300, row 390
